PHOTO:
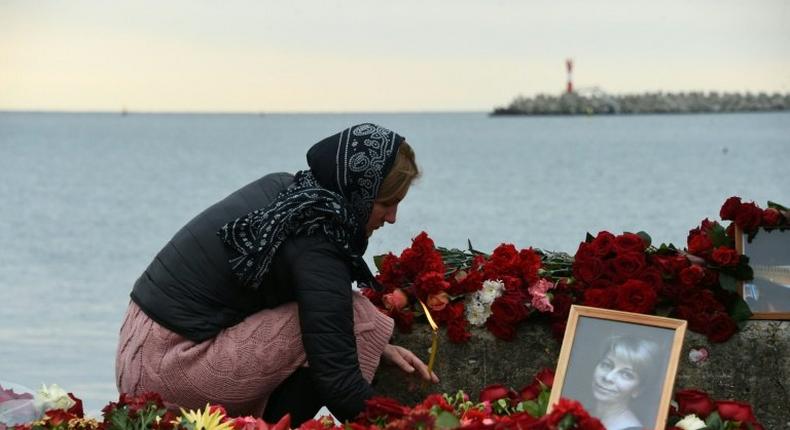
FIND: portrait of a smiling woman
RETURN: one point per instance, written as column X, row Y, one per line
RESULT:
column 625, row 370
column 616, row 371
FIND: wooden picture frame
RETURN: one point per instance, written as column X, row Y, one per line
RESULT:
column 768, row 294
column 613, row 360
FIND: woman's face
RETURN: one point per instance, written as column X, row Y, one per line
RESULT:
column 614, row 379
column 382, row 212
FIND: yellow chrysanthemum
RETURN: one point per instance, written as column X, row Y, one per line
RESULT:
column 205, row 419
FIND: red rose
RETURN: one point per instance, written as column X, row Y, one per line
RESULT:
column 749, row 217
column 599, row 298
column 730, row 208
column 588, row 270
column 694, row 402
column 494, row 392
column 378, row 406
column 629, row 242
column 603, row 244
column 545, row 377
column 720, row 328
column 724, row 256
column 652, row 277
column 670, row 265
column 699, row 244
column 772, row 217
column 531, row 391
column 628, row 265
column 636, row 296
column 735, row 411
column 501, row 329
column 692, row 275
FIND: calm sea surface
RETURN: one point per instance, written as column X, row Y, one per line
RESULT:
column 86, row 200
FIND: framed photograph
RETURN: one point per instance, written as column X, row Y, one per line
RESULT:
column 621, row 366
column 768, row 294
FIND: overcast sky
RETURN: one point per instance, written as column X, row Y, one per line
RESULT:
column 370, row 55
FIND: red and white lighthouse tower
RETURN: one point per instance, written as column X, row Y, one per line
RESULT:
column 569, row 68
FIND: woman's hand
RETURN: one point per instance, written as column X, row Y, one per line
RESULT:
column 408, row 362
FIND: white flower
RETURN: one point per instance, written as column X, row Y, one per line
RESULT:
column 52, row 397
column 491, row 290
column 690, row 422
column 478, row 305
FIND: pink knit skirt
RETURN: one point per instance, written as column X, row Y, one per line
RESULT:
column 241, row 366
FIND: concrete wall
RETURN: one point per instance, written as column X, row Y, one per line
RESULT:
column 753, row 366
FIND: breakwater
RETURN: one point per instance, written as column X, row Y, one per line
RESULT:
column 598, row 103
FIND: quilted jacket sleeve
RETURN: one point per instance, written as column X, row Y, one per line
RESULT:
column 321, row 279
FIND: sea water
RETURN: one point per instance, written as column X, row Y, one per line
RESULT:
column 87, row 200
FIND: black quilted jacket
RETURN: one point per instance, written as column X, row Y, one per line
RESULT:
column 190, row 289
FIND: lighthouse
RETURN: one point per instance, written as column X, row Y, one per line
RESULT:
column 569, row 68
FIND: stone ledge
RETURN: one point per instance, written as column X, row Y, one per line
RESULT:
column 753, row 366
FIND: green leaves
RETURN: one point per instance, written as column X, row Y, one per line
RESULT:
column 740, row 310
column 728, row 282
column 447, row 420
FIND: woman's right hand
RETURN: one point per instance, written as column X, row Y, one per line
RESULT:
column 408, row 362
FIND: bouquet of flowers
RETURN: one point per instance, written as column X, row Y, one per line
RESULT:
column 468, row 288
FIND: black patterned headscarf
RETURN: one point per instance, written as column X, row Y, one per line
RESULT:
column 334, row 197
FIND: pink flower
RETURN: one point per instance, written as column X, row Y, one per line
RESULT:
column 539, row 298
column 396, row 300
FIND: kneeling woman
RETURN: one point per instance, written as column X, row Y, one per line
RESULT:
column 250, row 305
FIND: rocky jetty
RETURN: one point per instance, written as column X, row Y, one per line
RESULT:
column 597, row 103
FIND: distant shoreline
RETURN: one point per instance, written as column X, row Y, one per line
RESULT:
column 599, row 103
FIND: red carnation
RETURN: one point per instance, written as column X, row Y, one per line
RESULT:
column 509, row 307
column 724, row 256
column 501, row 329
column 562, row 306
column 530, row 264
column 457, row 330
column 694, row 402
column 730, row 208
column 636, row 296
column 430, row 283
